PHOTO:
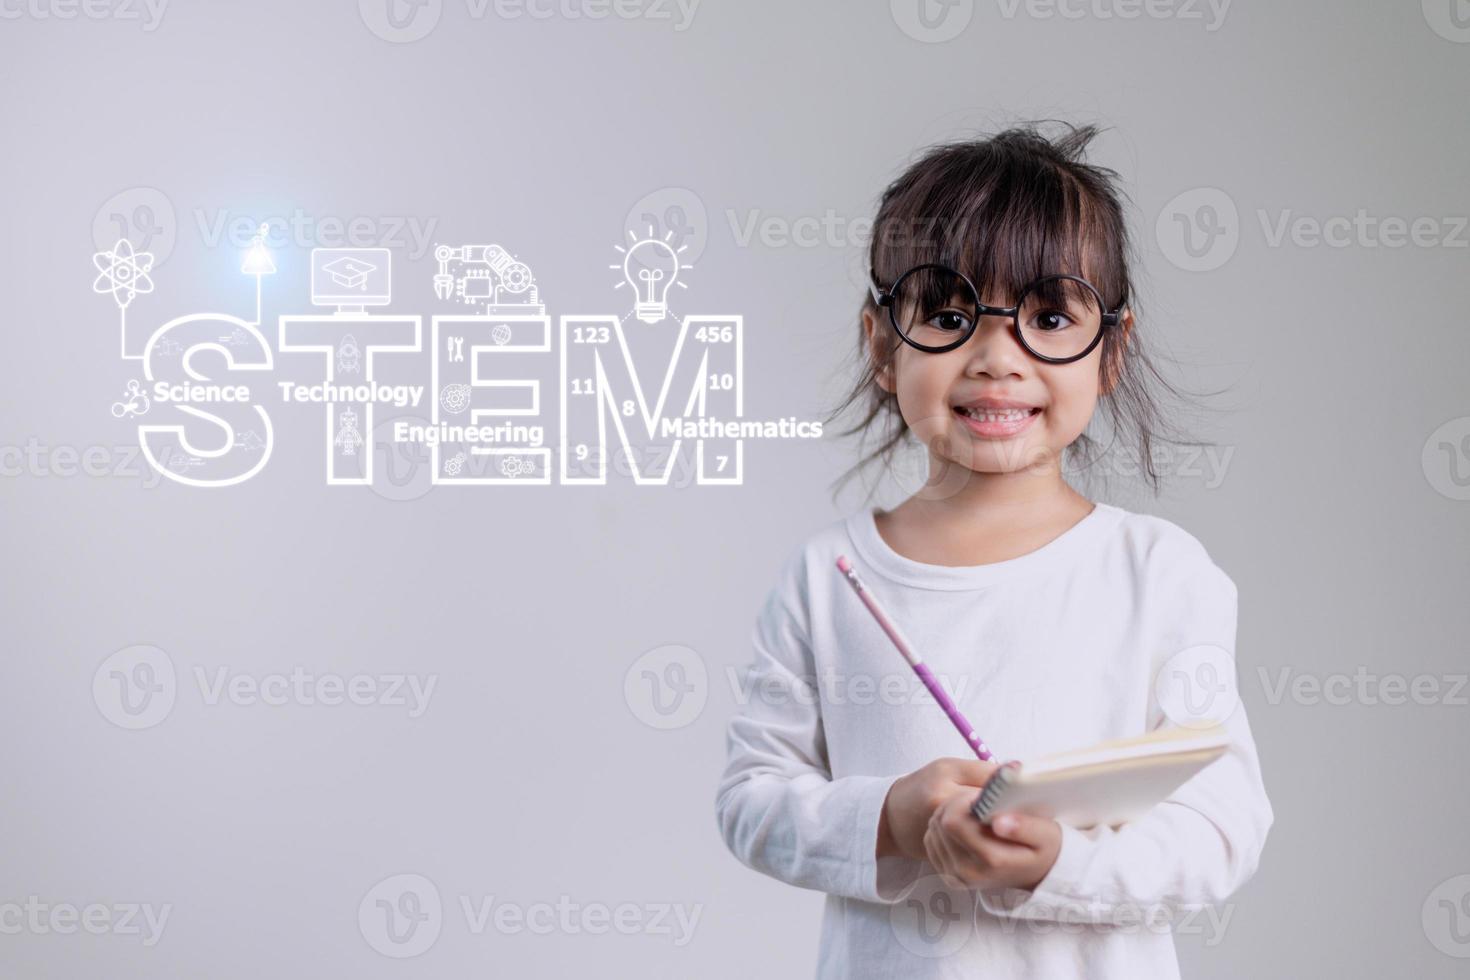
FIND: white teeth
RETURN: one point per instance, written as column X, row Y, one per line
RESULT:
column 995, row 415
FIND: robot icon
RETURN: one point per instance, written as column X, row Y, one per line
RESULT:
column 349, row 357
column 348, row 438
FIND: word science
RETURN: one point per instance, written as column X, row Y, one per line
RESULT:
column 492, row 393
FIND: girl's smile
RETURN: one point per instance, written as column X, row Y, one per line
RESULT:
column 991, row 417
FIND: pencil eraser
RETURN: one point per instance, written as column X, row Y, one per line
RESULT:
column 843, row 565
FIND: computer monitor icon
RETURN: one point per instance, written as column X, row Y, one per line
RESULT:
column 351, row 279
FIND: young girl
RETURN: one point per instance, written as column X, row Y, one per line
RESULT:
column 999, row 319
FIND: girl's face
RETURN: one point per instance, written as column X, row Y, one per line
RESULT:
column 988, row 405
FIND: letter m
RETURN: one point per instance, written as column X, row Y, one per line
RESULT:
column 600, row 382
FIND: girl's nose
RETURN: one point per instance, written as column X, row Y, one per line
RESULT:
column 993, row 350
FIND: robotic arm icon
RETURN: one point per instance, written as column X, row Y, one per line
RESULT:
column 488, row 275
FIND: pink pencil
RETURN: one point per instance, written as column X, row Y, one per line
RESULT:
column 965, row 728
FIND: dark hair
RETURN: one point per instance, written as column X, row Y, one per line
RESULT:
column 1005, row 210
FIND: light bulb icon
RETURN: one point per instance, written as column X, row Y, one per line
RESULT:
column 258, row 261
column 651, row 266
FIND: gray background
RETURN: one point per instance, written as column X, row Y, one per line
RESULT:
column 532, row 776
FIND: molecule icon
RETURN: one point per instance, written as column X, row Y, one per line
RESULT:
column 123, row 272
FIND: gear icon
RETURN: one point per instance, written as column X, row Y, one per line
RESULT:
column 514, row 466
column 455, row 398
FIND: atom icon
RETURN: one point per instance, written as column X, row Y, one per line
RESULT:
column 123, row 272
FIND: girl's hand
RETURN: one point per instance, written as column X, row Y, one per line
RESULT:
column 914, row 799
column 1013, row 850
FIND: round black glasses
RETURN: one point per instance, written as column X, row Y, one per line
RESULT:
column 1057, row 319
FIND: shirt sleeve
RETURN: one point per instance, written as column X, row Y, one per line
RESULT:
column 1203, row 842
column 779, row 809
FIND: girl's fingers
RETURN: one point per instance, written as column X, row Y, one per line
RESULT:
column 1033, row 832
column 945, row 857
column 961, row 863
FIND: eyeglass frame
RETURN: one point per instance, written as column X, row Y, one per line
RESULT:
column 884, row 297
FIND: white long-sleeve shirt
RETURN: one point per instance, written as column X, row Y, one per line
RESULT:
column 1060, row 648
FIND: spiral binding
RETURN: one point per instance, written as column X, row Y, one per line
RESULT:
column 990, row 795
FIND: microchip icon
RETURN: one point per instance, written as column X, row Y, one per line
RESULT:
column 349, row 272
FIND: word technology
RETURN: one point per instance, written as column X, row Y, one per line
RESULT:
column 495, row 394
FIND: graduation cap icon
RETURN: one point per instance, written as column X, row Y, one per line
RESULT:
column 349, row 272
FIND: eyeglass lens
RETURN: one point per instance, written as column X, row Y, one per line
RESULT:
column 934, row 308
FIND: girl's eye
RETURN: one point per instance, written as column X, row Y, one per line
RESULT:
column 950, row 321
column 1050, row 321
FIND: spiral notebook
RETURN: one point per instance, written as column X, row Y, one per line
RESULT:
column 1110, row 783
